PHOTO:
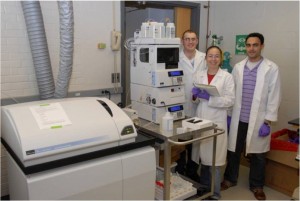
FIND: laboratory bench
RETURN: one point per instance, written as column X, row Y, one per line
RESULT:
column 294, row 122
column 166, row 140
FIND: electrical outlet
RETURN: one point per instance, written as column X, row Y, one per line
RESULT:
column 115, row 77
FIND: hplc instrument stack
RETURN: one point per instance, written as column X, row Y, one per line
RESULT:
column 156, row 79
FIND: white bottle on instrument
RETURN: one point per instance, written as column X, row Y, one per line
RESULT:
column 170, row 30
column 167, row 122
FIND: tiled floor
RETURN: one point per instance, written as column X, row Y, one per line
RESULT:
column 242, row 192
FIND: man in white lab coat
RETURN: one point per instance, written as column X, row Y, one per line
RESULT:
column 258, row 96
column 190, row 60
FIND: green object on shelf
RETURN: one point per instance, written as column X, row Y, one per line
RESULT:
column 226, row 62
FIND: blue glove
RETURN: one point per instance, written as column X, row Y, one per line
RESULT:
column 195, row 91
column 228, row 123
column 264, row 130
column 204, row 95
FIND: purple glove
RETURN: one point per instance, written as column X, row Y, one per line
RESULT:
column 195, row 91
column 264, row 130
column 204, row 95
column 228, row 123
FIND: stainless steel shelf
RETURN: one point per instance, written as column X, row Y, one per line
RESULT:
column 171, row 139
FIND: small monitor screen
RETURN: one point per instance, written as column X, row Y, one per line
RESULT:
column 175, row 108
column 175, row 73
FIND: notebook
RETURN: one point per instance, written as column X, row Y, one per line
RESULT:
column 211, row 89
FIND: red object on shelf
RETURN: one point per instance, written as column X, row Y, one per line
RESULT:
column 283, row 144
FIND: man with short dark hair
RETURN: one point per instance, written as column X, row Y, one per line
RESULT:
column 256, row 105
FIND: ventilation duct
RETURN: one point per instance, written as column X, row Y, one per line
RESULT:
column 39, row 48
column 66, row 48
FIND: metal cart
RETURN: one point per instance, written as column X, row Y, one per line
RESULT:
column 170, row 139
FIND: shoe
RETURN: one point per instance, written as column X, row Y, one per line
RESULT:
column 226, row 184
column 211, row 198
column 201, row 191
column 194, row 177
column 259, row 193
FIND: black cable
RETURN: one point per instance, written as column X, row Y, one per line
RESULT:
column 107, row 92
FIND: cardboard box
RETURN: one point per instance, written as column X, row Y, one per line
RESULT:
column 282, row 171
column 175, row 154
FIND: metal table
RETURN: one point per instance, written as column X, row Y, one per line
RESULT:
column 171, row 139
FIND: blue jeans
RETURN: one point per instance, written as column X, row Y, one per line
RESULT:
column 257, row 161
column 205, row 179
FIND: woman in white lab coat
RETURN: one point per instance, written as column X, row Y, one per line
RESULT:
column 215, row 109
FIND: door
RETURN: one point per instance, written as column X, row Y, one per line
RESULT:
column 182, row 20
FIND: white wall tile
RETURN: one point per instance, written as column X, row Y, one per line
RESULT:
column 93, row 24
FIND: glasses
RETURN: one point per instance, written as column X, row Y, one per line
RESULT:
column 211, row 56
column 190, row 39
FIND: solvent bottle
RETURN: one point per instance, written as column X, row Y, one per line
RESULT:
column 145, row 30
column 170, row 30
column 167, row 122
column 159, row 30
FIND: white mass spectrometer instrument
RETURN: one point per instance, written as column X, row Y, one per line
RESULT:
column 75, row 148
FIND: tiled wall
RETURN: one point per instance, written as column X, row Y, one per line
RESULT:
column 92, row 67
column 17, row 74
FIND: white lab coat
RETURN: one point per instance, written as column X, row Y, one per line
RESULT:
column 188, row 74
column 215, row 110
column 266, row 100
